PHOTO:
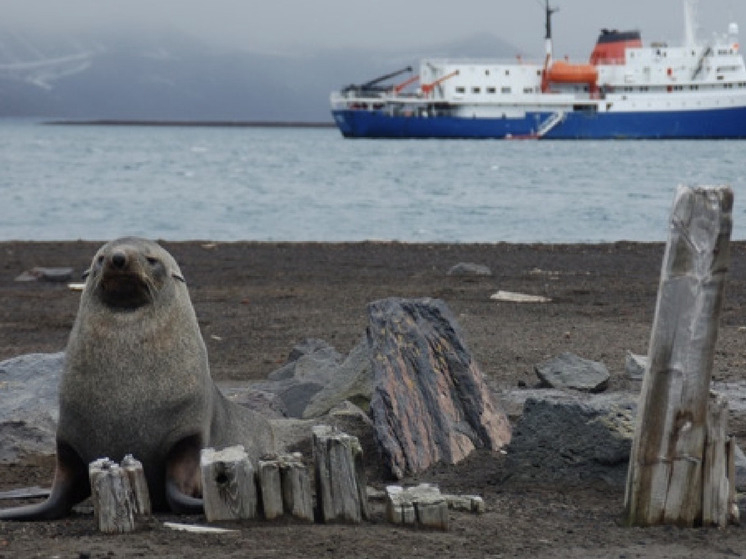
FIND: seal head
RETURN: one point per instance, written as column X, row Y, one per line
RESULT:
column 129, row 273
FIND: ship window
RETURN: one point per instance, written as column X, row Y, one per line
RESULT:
column 486, row 72
column 460, row 89
column 507, row 72
column 475, row 90
column 491, row 90
column 538, row 72
column 528, row 90
column 505, row 90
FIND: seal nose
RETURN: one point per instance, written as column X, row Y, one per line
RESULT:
column 118, row 260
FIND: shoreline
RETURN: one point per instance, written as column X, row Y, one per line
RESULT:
column 204, row 123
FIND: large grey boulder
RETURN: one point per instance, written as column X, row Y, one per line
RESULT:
column 352, row 382
column 430, row 401
column 29, row 409
column 310, row 367
column 572, row 436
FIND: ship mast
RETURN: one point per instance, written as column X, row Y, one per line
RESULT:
column 690, row 23
column 548, row 38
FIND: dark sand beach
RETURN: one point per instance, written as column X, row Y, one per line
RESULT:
column 255, row 301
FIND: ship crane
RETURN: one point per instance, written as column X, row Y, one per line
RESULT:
column 398, row 88
column 427, row 88
column 372, row 84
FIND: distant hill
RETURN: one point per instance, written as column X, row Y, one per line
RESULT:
column 167, row 75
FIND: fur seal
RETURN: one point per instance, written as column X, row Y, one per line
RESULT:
column 136, row 381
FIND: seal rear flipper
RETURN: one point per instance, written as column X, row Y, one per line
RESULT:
column 71, row 486
column 180, row 503
column 183, row 477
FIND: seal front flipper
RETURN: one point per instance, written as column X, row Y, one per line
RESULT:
column 71, row 486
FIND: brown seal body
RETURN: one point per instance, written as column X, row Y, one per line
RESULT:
column 137, row 381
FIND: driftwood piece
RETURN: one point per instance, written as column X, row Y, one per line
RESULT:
column 670, row 447
column 340, row 477
column 113, row 501
column 422, row 506
column 138, row 483
column 197, row 529
column 228, row 486
column 285, row 487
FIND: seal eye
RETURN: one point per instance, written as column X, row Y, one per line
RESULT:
column 152, row 261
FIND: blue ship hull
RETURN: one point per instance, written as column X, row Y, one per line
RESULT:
column 729, row 123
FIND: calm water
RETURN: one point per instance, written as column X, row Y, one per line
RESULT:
column 98, row 182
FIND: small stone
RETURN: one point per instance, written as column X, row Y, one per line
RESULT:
column 568, row 371
column 46, row 274
column 469, row 269
column 634, row 365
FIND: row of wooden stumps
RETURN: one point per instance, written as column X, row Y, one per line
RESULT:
column 681, row 467
column 233, row 490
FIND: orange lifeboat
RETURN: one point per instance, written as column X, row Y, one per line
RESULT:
column 564, row 72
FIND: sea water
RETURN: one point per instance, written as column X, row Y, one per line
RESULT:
column 306, row 184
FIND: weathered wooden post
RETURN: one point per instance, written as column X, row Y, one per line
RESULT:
column 340, row 477
column 676, row 444
column 297, row 497
column 136, row 475
column 113, row 502
column 228, row 486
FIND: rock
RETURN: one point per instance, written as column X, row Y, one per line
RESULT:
column 634, row 365
column 430, row 401
column 269, row 404
column 294, row 435
column 572, row 436
column 351, row 382
column 311, row 366
column 568, row 371
column 46, row 274
column 28, row 404
column 469, row 269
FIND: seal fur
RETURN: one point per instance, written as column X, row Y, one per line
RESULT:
column 137, row 381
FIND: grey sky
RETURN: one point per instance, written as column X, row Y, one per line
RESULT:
column 299, row 24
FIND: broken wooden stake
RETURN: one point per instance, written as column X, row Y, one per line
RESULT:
column 285, row 487
column 228, row 486
column 422, row 506
column 270, row 488
column 113, row 501
column 678, row 444
column 340, row 477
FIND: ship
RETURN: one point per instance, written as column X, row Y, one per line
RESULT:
column 626, row 90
